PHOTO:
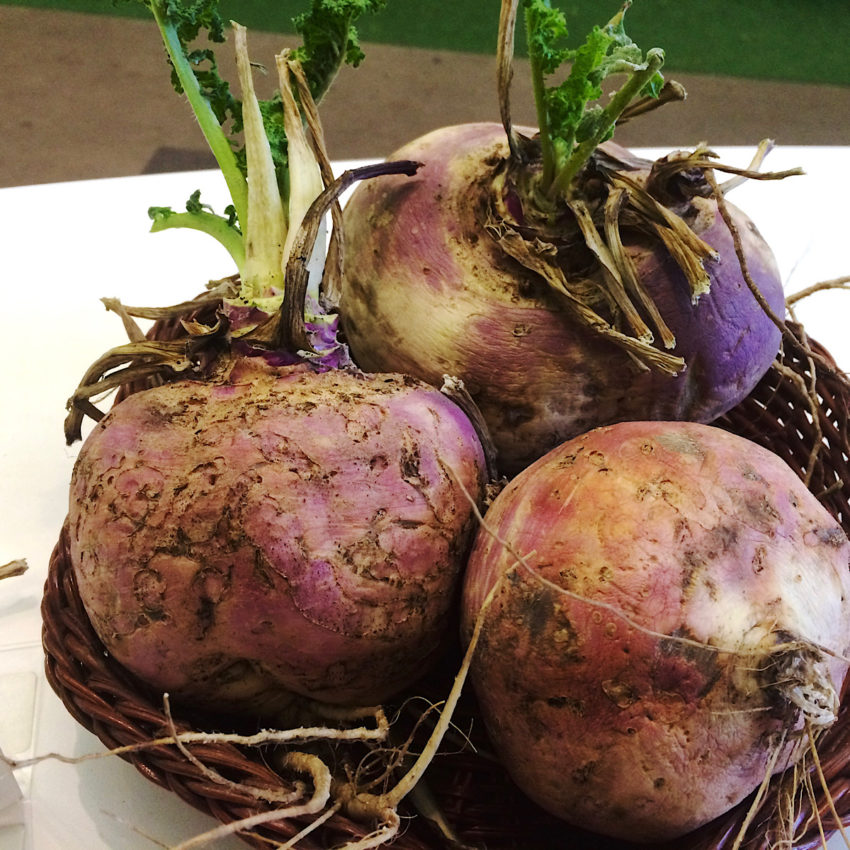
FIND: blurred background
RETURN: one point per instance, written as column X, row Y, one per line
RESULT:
column 85, row 90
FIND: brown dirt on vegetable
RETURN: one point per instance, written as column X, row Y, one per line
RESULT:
column 638, row 648
column 260, row 517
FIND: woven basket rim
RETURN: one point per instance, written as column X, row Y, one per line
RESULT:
column 111, row 704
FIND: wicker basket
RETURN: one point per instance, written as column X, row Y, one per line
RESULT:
column 472, row 791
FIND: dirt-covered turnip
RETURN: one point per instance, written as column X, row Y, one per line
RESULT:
column 668, row 623
column 567, row 290
column 275, row 529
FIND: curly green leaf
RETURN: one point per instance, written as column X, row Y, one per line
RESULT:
column 571, row 121
column 330, row 39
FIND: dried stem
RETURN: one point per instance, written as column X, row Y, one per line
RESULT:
column 538, row 257
column 14, row 568
column 331, row 279
column 291, row 334
column 810, row 390
column 505, row 56
column 120, row 365
column 765, row 146
column 616, row 286
column 626, row 266
column 216, row 291
column 455, row 389
column 671, row 91
column 723, row 209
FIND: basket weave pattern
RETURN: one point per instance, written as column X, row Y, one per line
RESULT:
column 473, row 792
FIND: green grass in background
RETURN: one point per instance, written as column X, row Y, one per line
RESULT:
column 794, row 40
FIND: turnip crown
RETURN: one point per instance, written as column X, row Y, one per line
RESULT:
column 561, row 188
column 279, row 304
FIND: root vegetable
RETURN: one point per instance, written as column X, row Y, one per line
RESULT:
column 567, row 283
column 275, row 530
column 670, row 617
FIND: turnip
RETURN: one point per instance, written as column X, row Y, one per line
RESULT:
column 567, row 282
column 268, row 521
column 274, row 528
column 662, row 615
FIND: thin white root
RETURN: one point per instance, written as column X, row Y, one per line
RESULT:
column 301, row 762
column 314, row 825
column 384, row 833
column 320, row 774
column 296, row 761
column 348, row 714
column 760, row 794
column 265, row 736
column 815, row 816
column 234, row 827
column 216, row 777
column 825, row 786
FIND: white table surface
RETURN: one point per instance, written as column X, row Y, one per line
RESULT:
column 63, row 246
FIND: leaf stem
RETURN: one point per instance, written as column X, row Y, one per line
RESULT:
column 538, row 82
column 618, row 103
column 206, row 222
column 210, row 127
column 266, row 227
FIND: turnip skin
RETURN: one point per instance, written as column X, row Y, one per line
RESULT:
column 688, row 531
column 428, row 292
column 275, row 530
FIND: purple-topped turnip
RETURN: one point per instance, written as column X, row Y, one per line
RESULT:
column 567, row 282
column 268, row 520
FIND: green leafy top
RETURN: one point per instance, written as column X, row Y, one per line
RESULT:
column 329, row 41
column 572, row 123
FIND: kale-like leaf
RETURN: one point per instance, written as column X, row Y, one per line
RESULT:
column 546, row 28
column 572, row 121
column 330, row 39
